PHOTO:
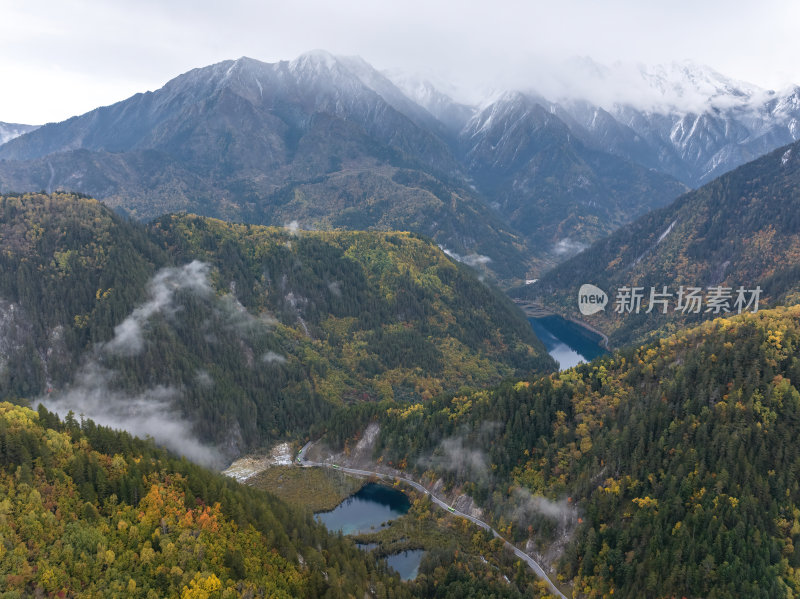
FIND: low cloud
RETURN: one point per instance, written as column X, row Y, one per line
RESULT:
column 453, row 456
column 463, row 454
column 151, row 412
column 128, row 335
column 335, row 288
column 203, row 379
column 678, row 87
column 236, row 317
column 525, row 505
column 146, row 414
column 272, row 358
column 568, row 247
column 472, row 260
column 292, row 227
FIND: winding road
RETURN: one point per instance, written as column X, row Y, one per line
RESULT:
column 532, row 563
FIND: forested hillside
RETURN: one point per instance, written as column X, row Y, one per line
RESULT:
column 740, row 230
column 70, row 270
column 204, row 333
column 672, row 468
column 86, row 511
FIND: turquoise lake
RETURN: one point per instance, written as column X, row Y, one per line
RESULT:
column 365, row 511
column 368, row 510
column 568, row 343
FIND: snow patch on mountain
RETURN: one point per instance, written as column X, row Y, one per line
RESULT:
column 316, row 60
column 666, row 232
column 438, row 97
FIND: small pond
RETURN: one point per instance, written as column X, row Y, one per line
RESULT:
column 406, row 563
column 367, row 510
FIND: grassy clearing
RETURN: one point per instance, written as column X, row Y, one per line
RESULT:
column 316, row 489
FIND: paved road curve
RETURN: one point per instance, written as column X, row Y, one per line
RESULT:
column 532, row 563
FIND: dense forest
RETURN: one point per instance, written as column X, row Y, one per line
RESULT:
column 662, row 470
column 246, row 333
column 87, row 511
column 91, row 512
column 672, row 467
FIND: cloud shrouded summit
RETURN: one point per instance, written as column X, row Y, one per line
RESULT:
column 99, row 53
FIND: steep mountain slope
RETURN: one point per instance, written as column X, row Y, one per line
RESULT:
column 548, row 184
column 271, row 102
column 268, row 144
column 94, row 513
column 740, row 230
column 9, row 131
column 58, row 251
column 669, row 469
column 215, row 338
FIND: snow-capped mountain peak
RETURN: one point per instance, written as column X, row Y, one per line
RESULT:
column 437, row 97
column 691, row 86
column 316, row 60
column 677, row 87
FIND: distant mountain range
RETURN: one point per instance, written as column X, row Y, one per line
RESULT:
column 690, row 121
column 517, row 184
column 683, row 119
column 306, row 140
column 553, row 187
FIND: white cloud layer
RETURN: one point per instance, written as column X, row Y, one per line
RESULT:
column 149, row 413
column 128, row 340
column 469, row 259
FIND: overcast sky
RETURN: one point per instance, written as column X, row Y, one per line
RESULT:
column 59, row 58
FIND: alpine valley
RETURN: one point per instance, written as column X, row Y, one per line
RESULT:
column 269, row 290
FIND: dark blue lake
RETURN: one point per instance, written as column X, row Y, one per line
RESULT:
column 406, row 563
column 567, row 342
column 366, row 510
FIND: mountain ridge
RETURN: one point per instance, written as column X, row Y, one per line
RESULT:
column 739, row 230
column 333, row 143
column 660, row 470
column 220, row 338
column 9, row 131
column 269, row 143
